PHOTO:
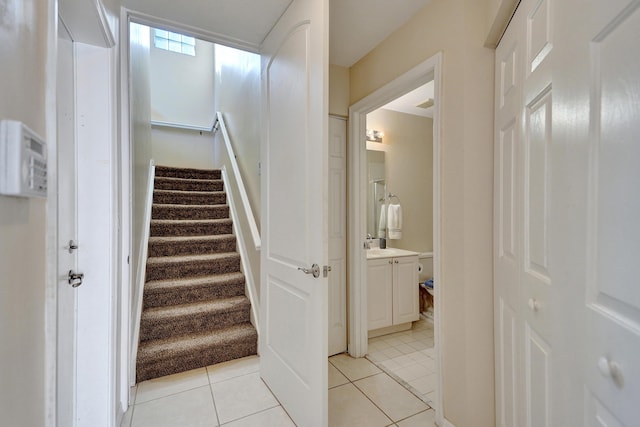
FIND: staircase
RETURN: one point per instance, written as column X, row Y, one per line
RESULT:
column 195, row 312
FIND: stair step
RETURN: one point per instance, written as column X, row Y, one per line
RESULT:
column 191, row 245
column 163, row 322
column 180, row 291
column 187, row 184
column 157, row 358
column 171, row 267
column 189, row 197
column 161, row 227
column 170, row 211
column 192, row 173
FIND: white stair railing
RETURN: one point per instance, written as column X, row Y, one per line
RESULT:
column 244, row 223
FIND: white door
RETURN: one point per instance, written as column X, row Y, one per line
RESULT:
column 294, row 150
column 523, row 282
column 67, row 231
column 337, row 235
column 595, row 212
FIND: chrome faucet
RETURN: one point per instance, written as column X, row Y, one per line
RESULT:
column 367, row 243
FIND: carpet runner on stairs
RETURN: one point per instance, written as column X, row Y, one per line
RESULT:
column 195, row 312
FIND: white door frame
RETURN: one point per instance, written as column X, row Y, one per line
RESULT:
column 126, row 172
column 417, row 76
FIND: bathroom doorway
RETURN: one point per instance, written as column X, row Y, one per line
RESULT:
column 420, row 341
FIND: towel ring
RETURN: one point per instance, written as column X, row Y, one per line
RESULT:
column 393, row 196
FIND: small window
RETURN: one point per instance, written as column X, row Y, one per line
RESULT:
column 174, row 42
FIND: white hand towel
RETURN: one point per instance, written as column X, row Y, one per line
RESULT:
column 382, row 224
column 394, row 222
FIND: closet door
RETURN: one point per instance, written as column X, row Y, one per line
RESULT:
column 596, row 212
column 521, row 250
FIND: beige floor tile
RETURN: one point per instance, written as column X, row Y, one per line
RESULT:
column 392, row 352
column 171, row 384
column 348, row 407
column 424, row 384
column 406, row 348
column 126, row 419
column 133, row 391
column 233, row 368
column 274, row 417
column 241, row 396
column 192, row 408
column 354, row 368
column 394, row 400
column 377, row 356
column 431, row 398
column 423, row 419
column 335, row 377
column 411, row 372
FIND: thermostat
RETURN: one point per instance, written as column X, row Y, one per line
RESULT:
column 23, row 161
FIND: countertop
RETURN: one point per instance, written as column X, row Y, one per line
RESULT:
column 375, row 253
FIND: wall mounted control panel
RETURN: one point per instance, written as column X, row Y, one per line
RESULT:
column 23, row 161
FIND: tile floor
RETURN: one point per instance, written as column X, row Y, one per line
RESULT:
column 232, row 394
column 408, row 357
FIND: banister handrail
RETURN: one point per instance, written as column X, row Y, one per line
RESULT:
column 253, row 226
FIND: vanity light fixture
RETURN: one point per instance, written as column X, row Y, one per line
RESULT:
column 374, row 135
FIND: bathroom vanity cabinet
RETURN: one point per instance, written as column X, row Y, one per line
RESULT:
column 392, row 291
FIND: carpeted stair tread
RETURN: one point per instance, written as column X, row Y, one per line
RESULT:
column 189, row 197
column 167, row 171
column 192, row 265
column 166, row 292
column 188, row 184
column 192, row 227
column 195, row 311
column 162, row 322
column 184, row 245
column 226, row 279
column 181, row 353
column 192, row 258
column 175, row 212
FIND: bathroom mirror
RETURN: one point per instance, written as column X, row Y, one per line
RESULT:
column 376, row 190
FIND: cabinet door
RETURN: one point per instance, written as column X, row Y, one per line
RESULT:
column 379, row 293
column 405, row 290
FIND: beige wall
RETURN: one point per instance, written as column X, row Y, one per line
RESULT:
column 338, row 90
column 408, row 146
column 182, row 86
column 498, row 14
column 23, row 55
column 237, row 97
column 458, row 28
column 141, row 134
column 182, row 148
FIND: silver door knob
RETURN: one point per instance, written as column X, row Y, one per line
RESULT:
column 75, row 279
column 315, row 270
column 533, row 304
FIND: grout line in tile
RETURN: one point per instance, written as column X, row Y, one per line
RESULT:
column 215, row 407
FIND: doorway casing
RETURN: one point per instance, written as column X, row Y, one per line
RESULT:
column 431, row 69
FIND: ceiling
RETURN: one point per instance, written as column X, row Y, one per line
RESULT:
column 356, row 26
column 414, row 102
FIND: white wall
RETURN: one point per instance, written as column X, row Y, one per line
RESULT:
column 458, row 28
column 23, row 92
column 182, row 147
column 140, row 101
column 237, row 97
column 182, row 86
column 408, row 147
